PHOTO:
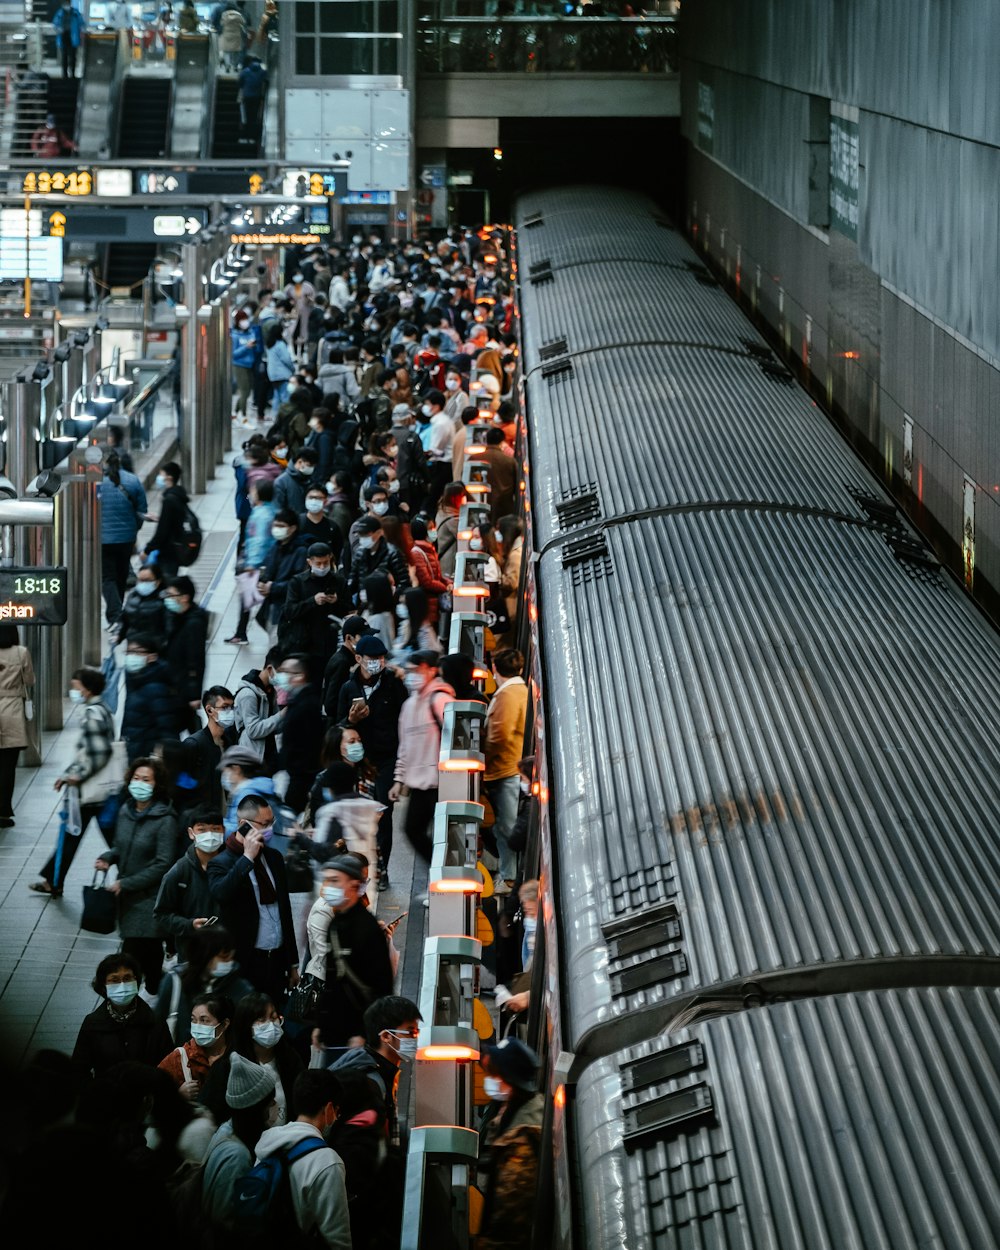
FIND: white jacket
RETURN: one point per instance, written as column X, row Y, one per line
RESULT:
column 319, row 1190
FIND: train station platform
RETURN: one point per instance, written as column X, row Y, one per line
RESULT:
column 46, row 960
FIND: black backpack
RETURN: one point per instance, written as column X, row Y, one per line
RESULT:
column 189, row 544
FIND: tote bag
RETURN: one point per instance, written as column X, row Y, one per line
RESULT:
column 100, row 906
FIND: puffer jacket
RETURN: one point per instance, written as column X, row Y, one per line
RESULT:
column 152, row 709
column 143, row 614
column 122, row 508
column 143, row 851
column 420, row 724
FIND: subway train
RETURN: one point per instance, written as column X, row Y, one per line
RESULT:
column 766, row 989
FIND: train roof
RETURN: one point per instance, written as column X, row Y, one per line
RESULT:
column 862, row 1120
column 769, row 715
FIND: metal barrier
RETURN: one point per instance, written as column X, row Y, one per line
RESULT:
column 447, row 1043
column 461, row 759
column 456, row 884
column 555, row 45
column 438, row 1168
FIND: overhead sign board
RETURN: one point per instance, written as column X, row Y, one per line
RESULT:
column 40, row 259
column 369, row 197
column 175, row 225
column 844, row 175
column 271, row 236
column 136, row 225
column 113, row 182
column 19, row 223
column 36, row 596
column 299, row 182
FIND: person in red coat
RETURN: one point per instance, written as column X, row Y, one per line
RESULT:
column 426, row 566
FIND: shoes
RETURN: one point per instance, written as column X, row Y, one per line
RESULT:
column 237, row 641
column 7, row 822
column 383, row 882
column 45, row 887
column 500, row 888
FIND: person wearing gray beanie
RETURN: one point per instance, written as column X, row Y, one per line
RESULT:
column 249, row 1083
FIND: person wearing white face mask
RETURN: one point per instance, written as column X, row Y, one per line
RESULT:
column 122, row 1026
column 202, row 750
column 257, row 1036
column 188, row 1065
column 184, row 903
column 143, row 610
column 144, row 847
column 316, row 603
column 348, row 953
column 511, row 1132
column 152, row 707
column 187, row 642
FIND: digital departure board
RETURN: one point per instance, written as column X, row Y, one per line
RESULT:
column 33, row 596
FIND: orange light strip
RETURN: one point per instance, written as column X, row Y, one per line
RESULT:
column 470, row 592
column 461, row 766
column 453, row 885
column 447, row 1053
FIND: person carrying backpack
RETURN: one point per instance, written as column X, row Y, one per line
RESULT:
column 177, row 539
column 298, row 1182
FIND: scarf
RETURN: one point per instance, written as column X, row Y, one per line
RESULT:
column 265, row 886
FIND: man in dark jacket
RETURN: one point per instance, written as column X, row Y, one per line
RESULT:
column 316, row 603
column 202, row 750
column 187, row 640
column 502, row 475
column 290, row 487
column 144, row 611
column 184, row 904
column 168, row 536
column 375, row 555
column 342, row 663
column 247, row 880
column 152, row 707
column 286, row 558
column 370, row 701
column 364, row 972
column 302, row 732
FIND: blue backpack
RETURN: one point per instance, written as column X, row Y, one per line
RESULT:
column 263, row 1197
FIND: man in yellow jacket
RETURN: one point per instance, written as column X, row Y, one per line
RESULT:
column 504, row 747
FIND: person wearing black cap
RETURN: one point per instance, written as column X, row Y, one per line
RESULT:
column 420, row 724
column 348, row 953
column 512, row 1139
column 341, row 663
column 371, row 700
column 316, row 603
column 375, row 555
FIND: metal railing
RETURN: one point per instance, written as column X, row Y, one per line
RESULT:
column 554, row 45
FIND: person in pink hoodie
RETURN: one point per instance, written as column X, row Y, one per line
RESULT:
column 420, row 721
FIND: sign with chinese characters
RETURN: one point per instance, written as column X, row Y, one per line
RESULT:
column 35, row 596
column 299, row 182
column 58, row 181
column 706, row 116
column 844, row 176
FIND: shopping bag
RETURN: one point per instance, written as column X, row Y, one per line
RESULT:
column 100, row 906
column 246, row 584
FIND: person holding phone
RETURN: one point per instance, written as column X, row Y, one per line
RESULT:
column 184, row 905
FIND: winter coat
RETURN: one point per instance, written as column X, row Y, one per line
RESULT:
column 305, row 624
column 104, row 1041
column 169, row 532
column 290, row 490
column 246, row 348
column 339, row 380
column 337, row 672
column 284, row 560
column 232, row 31
column 183, row 897
column 152, row 709
column 513, row 1174
column 317, row 528
column 227, row 1162
column 324, row 442
column 301, row 739
column 502, row 475
column 427, row 568
column 379, row 730
column 17, row 679
column 259, row 539
column 510, row 579
column 201, row 756
column 257, row 718
column 229, row 880
column 198, row 1064
column 122, row 508
column 143, row 614
column 366, row 954
column 187, row 640
column 69, row 26
column 382, row 558
column 447, row 542
column 504, row 738
column 420, row 724
column 143, row 851
column 280, row 362
column 319, row 1192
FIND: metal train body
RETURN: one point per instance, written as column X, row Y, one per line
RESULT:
column 770, row 760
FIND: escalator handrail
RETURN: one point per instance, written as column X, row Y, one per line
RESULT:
column 208, row 126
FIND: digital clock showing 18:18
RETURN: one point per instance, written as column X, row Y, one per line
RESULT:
column 33, row 596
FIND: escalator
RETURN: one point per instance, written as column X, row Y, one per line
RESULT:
column 230, row 140
column 144, row 125
column 126, row 264
column 99, row 91
column 63, row 94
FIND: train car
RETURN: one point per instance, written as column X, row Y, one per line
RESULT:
column 768, row 978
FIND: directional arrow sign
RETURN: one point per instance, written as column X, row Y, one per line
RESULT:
column 192, row 225
column 170, row 182
column 427, row 177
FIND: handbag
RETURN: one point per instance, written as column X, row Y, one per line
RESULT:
column 302, row 1003
column 100, row 906
column 246, row 584
column 29, row 702
column 108, row 780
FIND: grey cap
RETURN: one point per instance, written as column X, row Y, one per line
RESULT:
column 346, row 864
column 242, row 757
column 249, row 1083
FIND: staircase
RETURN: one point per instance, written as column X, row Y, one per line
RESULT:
column 31, row 108
column 145, row 117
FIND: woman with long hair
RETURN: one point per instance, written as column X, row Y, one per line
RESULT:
column 416, row 633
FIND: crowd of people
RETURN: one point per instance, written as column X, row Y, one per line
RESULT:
column 251, row 1006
